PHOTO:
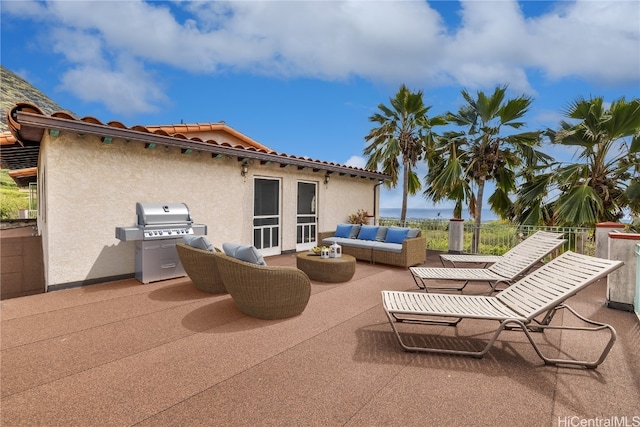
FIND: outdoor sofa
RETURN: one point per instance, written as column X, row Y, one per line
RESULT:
column 399, row 246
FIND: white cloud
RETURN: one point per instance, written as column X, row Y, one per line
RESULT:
column 593, row 40
column 383, row 41
column 128, row 89
column 78, row 47
column 356, row 162
column 25, row 9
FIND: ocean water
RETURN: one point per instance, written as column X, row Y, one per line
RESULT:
column 434, row 213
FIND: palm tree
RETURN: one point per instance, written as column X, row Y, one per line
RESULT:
column 463, row 162
column 445, row 179
column 400, row 140
column 603, row 182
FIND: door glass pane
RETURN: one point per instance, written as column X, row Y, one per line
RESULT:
column 306, row 198
column 265, row 221
column 266, row 197
column 257, row 238
column 266, row 212
column 306, row 214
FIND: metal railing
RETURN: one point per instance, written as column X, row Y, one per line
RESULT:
column 495, row 238
column 33, row 200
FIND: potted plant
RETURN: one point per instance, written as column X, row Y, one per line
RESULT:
column 360, row 217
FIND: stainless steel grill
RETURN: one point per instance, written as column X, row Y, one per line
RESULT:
column 159, row 227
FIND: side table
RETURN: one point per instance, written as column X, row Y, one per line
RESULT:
column 332, row 270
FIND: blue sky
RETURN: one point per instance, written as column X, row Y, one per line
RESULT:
column 303, row 77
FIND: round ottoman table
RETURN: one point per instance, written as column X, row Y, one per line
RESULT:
column 332, row 270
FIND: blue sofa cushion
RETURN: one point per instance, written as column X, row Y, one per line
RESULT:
column 396, row 235
column 367, row 232
column 343, row 230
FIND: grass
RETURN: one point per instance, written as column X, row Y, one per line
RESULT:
column 12, row 198
column 496, row 237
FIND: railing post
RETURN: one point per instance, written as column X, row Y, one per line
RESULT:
column 456, row 235
column 602, row 237
column 580, row 240
column 621, row 282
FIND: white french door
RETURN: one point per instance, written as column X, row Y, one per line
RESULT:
column 266, row 216
column 306, row 216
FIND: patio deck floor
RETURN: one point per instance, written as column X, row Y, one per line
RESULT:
column 166, row 354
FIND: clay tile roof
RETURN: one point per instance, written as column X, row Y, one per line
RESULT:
column 116, row 124
column 28, row 129
column 7, row 138
column 90, row 119
column 139, row 128
column 210, row 127
column 63, row 115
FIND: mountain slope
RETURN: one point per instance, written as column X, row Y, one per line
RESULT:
column 14, row 89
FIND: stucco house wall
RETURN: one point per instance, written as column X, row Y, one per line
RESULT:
column 87, row 188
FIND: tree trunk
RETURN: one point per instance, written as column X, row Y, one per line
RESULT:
column 477, row 218
column 405, row 194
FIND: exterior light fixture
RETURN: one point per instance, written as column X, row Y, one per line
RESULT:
column 244, row 170
column 326, row 178
column 106, row 140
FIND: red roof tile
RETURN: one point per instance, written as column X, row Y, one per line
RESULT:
column 179, row 133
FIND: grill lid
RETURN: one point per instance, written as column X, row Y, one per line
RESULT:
column 162, row 214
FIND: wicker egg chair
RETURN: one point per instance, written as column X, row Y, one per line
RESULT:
column 202, row 268
column 262, row 291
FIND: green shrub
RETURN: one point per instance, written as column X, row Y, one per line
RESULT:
column 11, row 198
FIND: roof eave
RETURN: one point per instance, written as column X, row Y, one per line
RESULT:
column 42, row 122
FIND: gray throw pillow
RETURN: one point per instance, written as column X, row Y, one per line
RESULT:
column 247, row 253
column 199, row 242
column 355, row 230
column 413, row 232
column 381, row 234
column 230, row 248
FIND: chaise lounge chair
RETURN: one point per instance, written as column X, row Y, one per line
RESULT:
column 542, row 292
column 452, row 259
column 505, row 271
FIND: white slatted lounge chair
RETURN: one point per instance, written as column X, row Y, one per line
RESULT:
column 538, row 294
column 505, row 271
column 452, row 259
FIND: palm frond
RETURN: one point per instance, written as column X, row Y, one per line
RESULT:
column 500, row 203
column 580, row 206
